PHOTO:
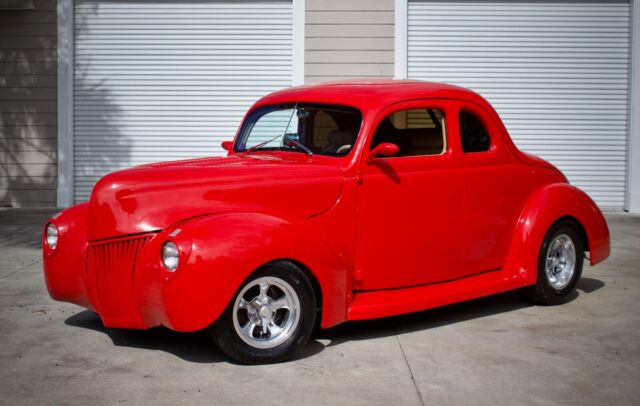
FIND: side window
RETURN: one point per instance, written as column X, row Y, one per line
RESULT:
column 416, row 132
column 473, row 134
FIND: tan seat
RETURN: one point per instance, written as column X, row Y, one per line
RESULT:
column 339, row 141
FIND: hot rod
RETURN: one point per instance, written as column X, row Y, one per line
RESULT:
column 335, row 202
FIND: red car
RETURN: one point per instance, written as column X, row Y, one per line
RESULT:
column 336, row 202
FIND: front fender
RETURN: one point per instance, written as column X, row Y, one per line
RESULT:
column 65, row 267
column 218, row 252
column 546, row 206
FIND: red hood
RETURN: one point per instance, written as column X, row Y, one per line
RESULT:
column 152, row 197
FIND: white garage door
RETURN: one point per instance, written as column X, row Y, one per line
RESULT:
column 164, row 80
column 557, row 72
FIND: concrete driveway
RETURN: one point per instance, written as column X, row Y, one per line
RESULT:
column 492, row 351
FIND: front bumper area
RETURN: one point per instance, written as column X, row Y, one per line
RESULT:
column 97, row 276
column 123, row 280
column 110, row 275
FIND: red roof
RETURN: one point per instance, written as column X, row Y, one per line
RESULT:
column 369, row 94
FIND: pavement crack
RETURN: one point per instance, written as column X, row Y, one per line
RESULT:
column 19, row 269
column 406, row 361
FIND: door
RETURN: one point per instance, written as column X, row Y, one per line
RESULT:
column 556, row 71
column 409, row 204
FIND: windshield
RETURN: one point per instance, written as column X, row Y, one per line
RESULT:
column 304, row 127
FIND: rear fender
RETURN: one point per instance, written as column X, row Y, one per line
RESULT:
column 219, row 252
column 545, row 207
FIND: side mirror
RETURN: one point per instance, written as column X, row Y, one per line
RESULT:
column 227, row 145
column 384, row 149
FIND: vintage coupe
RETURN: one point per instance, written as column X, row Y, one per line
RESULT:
column 336, row 202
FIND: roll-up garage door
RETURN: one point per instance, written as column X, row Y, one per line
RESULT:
column 556, row 72
column 165, row 80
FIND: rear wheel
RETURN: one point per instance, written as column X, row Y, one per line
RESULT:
column 270, row 318
column 560, row 264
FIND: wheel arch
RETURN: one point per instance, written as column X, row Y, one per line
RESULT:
column 547, row 206
column 313, row 279
column 582, row 233
column 328, row 314
column 227, row 249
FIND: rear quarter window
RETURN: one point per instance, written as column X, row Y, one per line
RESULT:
column 473, row 134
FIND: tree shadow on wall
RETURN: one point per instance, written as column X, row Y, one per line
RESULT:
column 29, row 111
column 28, row 119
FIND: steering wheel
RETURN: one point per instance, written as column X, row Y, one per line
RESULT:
column 343, row 148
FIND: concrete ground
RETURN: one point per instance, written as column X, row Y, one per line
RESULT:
column 493, row 351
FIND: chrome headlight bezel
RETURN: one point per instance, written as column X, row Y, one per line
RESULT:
column 51, row 236
column 170, row 256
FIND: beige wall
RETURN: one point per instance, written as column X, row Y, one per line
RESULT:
column 28, row 112
column 348, row 39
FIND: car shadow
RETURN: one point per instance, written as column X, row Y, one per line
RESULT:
column 194, row 347
column 589, row 285
column 197, row 347
column 425, row 320
column 442, row 316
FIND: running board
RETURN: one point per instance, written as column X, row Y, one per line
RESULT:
column 383, row 303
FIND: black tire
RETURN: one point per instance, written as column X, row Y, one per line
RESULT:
column 544, row 292
column 230, row 341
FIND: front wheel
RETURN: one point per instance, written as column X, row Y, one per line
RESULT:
column 270, row 318
column 559, row 265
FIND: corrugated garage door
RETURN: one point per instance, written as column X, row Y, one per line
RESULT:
column 165, row 80
column 556, row 72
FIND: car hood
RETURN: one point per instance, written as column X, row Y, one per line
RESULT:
column 151, row 197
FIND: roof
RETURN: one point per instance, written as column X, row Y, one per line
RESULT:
column 368, row 94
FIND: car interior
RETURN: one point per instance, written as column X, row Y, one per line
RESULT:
column 333, row 132
column 416, row 132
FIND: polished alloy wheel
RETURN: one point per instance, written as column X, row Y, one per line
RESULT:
column 561, row 261
column 266, row 312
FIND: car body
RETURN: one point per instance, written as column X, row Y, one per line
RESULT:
column 375, row 234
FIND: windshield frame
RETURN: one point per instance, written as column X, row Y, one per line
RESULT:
column 257, row 113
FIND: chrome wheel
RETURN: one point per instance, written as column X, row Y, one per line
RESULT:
column 266, row 312
column 561, row 262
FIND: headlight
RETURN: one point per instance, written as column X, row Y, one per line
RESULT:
column 52, row 235
column 170, row 256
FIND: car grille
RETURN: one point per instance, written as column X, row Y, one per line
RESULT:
column 110, row 273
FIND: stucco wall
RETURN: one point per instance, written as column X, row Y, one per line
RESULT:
column 28, row 110
column 348, row 39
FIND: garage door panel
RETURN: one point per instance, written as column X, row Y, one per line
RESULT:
column 556, row 72
column 166, row 80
